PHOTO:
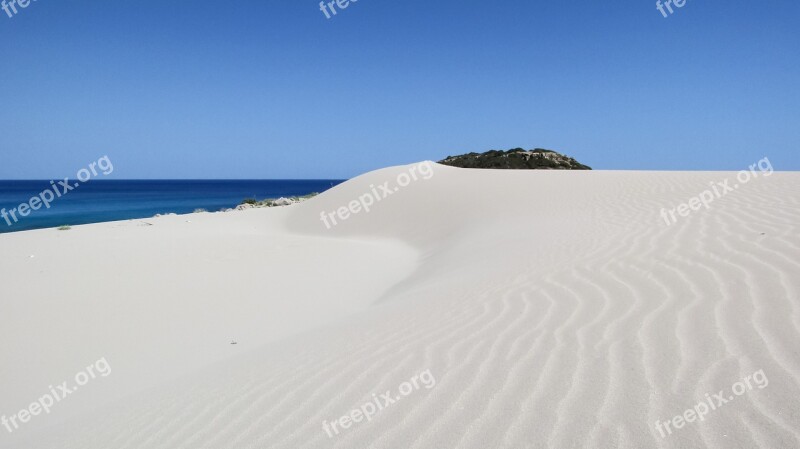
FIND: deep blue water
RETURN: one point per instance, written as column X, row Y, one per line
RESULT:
column 105, row 200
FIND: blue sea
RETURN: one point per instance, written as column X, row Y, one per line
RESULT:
column 109, row 200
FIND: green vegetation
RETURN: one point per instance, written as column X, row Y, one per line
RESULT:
column 64, row 228
column 273, row 202
column 516, row 159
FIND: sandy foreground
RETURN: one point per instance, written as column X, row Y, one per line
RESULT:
column 474, row 309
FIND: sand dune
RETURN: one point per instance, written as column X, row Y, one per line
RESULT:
column 553, row 310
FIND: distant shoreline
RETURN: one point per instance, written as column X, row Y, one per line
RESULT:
column 102, row 201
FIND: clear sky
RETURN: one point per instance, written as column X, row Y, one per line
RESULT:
column 273, row 89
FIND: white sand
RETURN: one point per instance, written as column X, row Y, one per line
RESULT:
column 555, row 309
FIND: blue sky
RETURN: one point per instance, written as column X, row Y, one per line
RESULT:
column 273, row 89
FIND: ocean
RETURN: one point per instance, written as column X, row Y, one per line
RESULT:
column 98, row 201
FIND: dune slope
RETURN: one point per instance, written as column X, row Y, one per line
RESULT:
column 475, row 309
